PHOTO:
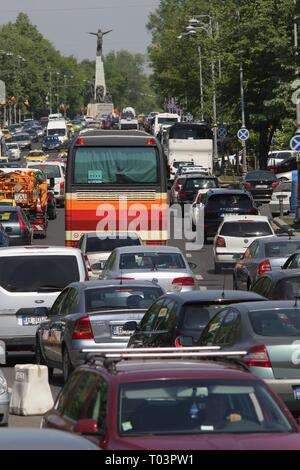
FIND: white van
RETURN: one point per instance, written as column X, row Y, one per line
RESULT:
column 164, row 120
column 58, row 127
column 53, row 169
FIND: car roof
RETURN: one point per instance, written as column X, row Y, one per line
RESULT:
column 213, row 295
column 220, row 191
column 96, row 234
column 113, row 283
column 282, row 274
column 250, row 218
column 38, row 249
column 198, row 174
column 266, row 305
column 276, row 239
column 147, row 249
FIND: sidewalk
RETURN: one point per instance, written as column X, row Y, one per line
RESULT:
column 287, row 223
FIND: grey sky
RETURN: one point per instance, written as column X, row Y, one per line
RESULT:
column 66, row 23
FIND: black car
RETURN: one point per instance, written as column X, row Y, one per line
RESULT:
column 16, row 225
column 51, row 142
column 178, row 319
column 278, row 285
column 191, row 183
column 260, row 184
column 287, row 165
column 220, row 202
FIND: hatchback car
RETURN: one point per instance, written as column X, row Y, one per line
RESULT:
column 179, row 319
column 260, row 183
column 234, row 236
column 191, row 184
column 97, row 247
column 31, row 278
column 51, row 143
column 268, row 331
column 14, row 151
column 87, row 315
column 16, row 224
column 281, row 285
column 263, row 255
column 147, row 403
column 220, row 202
column 280, row 199
column 164, row 265
column 36, row 156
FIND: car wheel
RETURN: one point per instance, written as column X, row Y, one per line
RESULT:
column 66, row 365
column 39, row 359
column 217, row 268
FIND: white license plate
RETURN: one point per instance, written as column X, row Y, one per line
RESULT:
column 20, row 197
column 25, row 320
column 117, row 330
column 261, row 186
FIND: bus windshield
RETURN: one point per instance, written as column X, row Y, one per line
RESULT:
column 116, row 165
column 190, row 132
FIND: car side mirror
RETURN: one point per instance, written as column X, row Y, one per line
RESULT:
column 86, row 426
column 41, row 311
column 192, row 266
column 130, row 326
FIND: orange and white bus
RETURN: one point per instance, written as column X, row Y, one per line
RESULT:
column 116, row 181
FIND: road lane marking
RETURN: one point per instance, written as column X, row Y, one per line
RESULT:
column 188, row 255
column 199, row 277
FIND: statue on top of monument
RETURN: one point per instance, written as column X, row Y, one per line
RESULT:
column 100, row 35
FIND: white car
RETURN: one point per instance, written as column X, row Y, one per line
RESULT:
column 31, row 277
column 235, row 235
column 96, row 248
column 195, row 169
column 278, row 156
column 281, row 194
column 53, row 169
column 14, row 151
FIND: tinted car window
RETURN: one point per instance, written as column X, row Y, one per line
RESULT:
column 200, row 183
column 274, row 323
column 64, row 399
column 225, row 201
column 252, row 251
column 167, row 316
column 151, row 260
column 76, row 405
column 277, row 249
column 96, row 244
column 287, row 289
column 149, row 319
column 30, row 273
column 263, row 286
column 121, row 297
column 70, row 302
column 229, row 331
column 8, row 216
column 260, row 175
column 51, row 171
column 210, row 332
column 246, row 229
column 55, row 309
column 198, row 315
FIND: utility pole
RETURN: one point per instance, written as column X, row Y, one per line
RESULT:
column 244, row 149
column 296, row 64
column 201, row 83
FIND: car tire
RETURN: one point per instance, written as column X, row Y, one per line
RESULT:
column 217, row 268
column 66, row 365
column 39, row 359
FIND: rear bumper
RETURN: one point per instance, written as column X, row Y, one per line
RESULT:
column 284, row 388
column 227, row 258
column 77, row 357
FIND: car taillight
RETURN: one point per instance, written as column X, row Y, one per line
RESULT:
column 257, row 356
column 274, row 185
column 263, row 267
column 221, row 242
column 22, row 224
column 155, row 242
column 87, row 263
column 182, row 194
column 183, row 281
column 177, row 343
column 71, row 243
column 247, row 185
column 83, row 329
column 62, row 187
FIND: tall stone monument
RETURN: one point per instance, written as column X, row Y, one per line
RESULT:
column 102, row 99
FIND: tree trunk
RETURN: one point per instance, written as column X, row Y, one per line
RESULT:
column 266, row 133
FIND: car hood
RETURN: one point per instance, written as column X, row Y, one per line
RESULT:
column 255, row 441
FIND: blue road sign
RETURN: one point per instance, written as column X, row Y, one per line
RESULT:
column 243, row 134
column 222, row 132
column 295, row 143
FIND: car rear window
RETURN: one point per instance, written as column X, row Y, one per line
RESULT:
column 287, row 289
column 96, row 244
column 260, row 175
column 197, row 315
column 245, row 229
column 151, row 261
column 200, row 183
column 121, row 296
column 277, row 249
column 274, row 323
column 227, row 201
column 51, row 171
column 37, row 273
column 8, row 216
column 198, row 406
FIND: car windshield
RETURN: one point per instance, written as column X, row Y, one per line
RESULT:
column 287, row 289
column 200, row 183
column 217, row 202
column 245, row 229
column 51, row 171
column 95, row 244
column 281, row 249
column 116, row 165
column 29, row 273
column 121, row 297
column 199, row 406
column 151, row 261
column 275, row 323
column 57, row 131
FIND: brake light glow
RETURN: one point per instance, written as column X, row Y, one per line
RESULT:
column 177, row 343
column 264, row 267
column 83, row 329
column 183, row 281
column 257, row 356
column 274, row 185
column 62, row 187
column 80, row 141
column 247, row 185
column 22, row 224
column 71, row 243
column 155, row 242
column 221, row 242
column 151, row 142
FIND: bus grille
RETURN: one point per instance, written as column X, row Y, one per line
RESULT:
column 114, row 196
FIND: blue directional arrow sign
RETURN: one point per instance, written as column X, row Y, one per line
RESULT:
column 295, row 143
column 222, row 132
column 243, row 134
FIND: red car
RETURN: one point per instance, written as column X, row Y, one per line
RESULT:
column 205, row 403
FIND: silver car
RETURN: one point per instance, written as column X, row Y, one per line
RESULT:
column 263, row 255
column 164, row 265
column 87, row 315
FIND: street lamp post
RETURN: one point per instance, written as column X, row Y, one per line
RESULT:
column 201, row 83
column 244, row 149
column 57, row 90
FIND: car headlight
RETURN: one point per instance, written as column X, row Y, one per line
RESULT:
column 3, row 385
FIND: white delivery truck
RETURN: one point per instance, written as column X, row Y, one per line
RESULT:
column 189, row 143
column 164, row 120
column 59, row 128
column 128, row 119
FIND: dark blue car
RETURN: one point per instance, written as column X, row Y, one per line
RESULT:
column 51, row 142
